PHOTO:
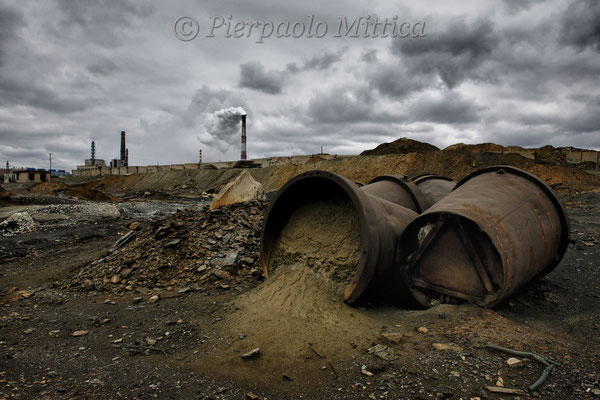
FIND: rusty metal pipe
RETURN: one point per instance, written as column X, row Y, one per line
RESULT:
column 398, row 190
column 498, row 229
column 433, row 187
column 381, row 224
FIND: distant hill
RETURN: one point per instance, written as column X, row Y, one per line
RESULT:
column 400, row 146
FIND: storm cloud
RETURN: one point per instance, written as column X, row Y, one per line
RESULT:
column 510, row 72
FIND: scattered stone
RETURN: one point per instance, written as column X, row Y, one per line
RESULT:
column 365, row 371
column 514, row 362
column 422, row 330
column 503, row 390
column 172, row 243
column 254, row 353
column 137, row 300
column 119, row 340
column 383, row 352
column 252, row 396
column 115, row 279
column 29, row 331
column 222, row 274
column 150, row 341
column 25, row 294
column 134, row 226
column 500, row 382
column 395, row 338
column 154, row 299
column 286, row 377
column 447, row 346
column 80, row 333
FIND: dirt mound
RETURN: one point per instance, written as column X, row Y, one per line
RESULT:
column 400, row 146
column 197, row 250
column 478, row 148
column 82, row 192
column 48, row 187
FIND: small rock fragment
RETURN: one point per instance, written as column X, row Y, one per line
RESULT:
column 154, row 299
column 447, row 346
column 500, row 382
column 365, row 371
column 395, row 338
column 514, row 362
column 422, row 330
column 252, row 396
column 80, row 333
column 254, row 353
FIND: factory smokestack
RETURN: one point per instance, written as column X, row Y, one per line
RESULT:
column 243, row 155
column 126, row 157
column 123, row 151
column 93, row 153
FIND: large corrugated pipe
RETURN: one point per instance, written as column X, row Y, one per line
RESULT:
column 433, row 187
column 381, row 224
column 498, row 229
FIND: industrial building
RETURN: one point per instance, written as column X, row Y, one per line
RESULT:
column 24, row 175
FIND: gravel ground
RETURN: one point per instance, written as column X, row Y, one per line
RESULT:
column 58, row 342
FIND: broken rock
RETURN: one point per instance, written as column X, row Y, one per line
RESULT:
column 254, row 353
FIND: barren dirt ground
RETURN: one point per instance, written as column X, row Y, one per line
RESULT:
column 66, row 343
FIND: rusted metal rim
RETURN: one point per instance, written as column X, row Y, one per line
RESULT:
column 565, row 228
column 410, row 188
column 425, row 177
column 306, row 186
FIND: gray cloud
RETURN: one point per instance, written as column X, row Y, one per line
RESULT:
column 10, row 21
column 581, row 25
column 449, row 108
column 254, row 76
column 321, row 61
column 453, row 53
column 394, row 82
column 341, row 105
column 102, row 22
column 508, row 72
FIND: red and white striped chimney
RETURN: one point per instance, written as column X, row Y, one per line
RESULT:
column 243, row 155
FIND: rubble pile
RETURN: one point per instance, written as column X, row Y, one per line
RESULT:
column 188, row 251
column 19, row 222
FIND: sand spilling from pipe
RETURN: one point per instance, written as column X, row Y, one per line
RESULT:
column 302, row 301
column 322, row 236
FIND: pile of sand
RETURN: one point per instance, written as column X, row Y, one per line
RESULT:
column 300, row 307
column 324, row 236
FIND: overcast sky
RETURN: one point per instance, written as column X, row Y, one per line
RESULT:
column 512, row 72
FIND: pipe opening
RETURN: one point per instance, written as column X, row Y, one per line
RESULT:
column 447, row 258
column 315, row 223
